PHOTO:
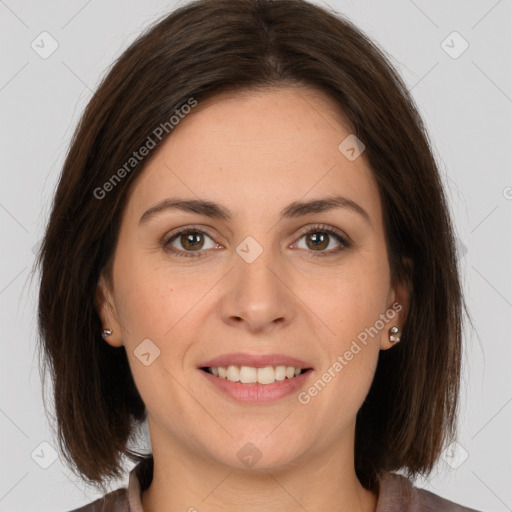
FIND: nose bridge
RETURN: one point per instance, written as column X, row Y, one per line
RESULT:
column 258, row 295
column 256, row 274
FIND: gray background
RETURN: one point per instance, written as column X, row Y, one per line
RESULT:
column 467, row 105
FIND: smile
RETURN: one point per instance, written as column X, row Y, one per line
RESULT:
column 253, row 375
column 254, row 386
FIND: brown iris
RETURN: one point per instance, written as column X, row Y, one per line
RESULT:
column 192, row 240
column 320, row 240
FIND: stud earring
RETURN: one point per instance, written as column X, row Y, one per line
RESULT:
column 106, row 333
column 392, row 337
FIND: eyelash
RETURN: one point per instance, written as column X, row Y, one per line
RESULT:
column 319, row 228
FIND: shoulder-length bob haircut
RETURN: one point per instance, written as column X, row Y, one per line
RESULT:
column 199, row 50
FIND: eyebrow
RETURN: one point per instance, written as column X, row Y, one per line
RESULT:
column 214, row 210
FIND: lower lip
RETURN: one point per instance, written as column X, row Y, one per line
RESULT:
column 258, row 393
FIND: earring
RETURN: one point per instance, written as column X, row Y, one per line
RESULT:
column 392, row 337
column 106, row 333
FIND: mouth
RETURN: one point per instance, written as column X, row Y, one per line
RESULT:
column 256, row 378
column 265, row 375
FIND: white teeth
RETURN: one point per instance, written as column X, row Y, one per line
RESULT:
column 251, row 375
column 248, row 374
column 233, row 373
column 280, row 372
column 266, row 375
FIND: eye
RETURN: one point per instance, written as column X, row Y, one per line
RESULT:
column 191, row 241
column 322, row 239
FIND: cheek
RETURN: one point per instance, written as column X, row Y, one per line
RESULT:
column 153, row 305
column 351, row 309
column 352, row 299
column 151, row 299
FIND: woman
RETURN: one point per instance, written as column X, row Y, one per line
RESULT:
column 262, row 265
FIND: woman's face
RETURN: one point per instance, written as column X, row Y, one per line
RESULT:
column 253, row 290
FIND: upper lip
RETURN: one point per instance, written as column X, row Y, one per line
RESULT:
column 255, row 361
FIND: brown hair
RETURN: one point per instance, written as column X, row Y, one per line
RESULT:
column 201, row 49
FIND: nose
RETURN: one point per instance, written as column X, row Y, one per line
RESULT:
column 258, row 296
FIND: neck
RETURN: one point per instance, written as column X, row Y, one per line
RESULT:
column 188, row 481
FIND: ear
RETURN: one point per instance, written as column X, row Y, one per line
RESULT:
column 105, row 306
column 397, row 308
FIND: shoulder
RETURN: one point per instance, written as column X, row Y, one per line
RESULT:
column 115, row 501
column 398, row 494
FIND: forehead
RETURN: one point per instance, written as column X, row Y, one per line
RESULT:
column 266, row 147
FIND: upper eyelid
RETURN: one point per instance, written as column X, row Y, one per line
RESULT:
column 192, row 228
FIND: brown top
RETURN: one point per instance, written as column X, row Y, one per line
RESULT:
column 396, row 494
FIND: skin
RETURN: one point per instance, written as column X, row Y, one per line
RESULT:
column 253, row 153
